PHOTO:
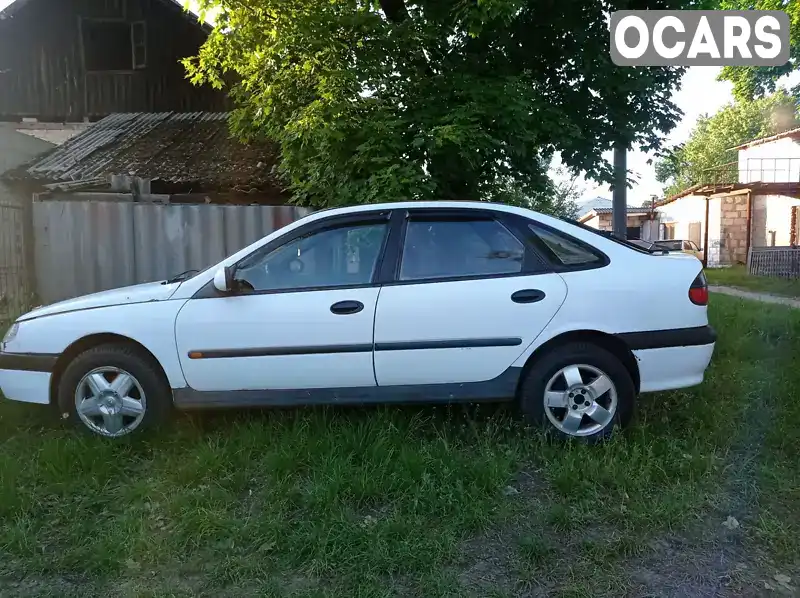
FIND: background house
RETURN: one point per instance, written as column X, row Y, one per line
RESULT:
column 586, row 206
column 66, row 63
column 142, row 196
column 75, row 60
column 642, row 223
column 115, row 169
column 749, row 204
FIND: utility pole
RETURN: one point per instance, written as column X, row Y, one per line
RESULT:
column 619, row 202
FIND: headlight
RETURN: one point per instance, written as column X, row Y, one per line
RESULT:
column 11, row 333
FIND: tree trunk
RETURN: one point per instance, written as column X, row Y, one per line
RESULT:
column 395, row 10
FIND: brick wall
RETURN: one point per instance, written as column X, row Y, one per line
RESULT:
column 733, row 229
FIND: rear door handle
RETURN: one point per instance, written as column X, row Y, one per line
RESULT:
column 347, row 307
column 528, row 296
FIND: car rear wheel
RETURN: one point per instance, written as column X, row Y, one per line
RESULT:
column 579, row 390
column 114, row 390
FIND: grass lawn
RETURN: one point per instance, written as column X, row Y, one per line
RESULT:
column 737, row 276
column 425, row 501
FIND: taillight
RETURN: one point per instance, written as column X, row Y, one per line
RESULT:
column 698, row 292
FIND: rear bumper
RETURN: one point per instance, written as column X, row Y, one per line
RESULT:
column 668, row 368
column 670, row 359
column 26, row 377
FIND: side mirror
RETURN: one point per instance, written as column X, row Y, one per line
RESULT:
column 223, row 279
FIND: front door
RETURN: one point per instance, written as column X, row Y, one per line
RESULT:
column 465, row 305
column 303, row 319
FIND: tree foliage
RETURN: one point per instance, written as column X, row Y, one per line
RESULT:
column 750, row 82
column 708, row 149
column 378, row 100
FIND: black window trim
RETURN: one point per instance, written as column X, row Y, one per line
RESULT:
column 387, row 266
column 209, row 291
column 532, row 263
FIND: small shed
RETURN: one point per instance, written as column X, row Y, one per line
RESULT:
column 138, row 197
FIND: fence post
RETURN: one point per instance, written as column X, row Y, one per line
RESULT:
column 750, row 260
column 28, row 244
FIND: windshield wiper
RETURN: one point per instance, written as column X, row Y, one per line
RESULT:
column 181, row 277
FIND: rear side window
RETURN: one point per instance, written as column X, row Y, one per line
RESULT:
column 563, row 250
column 459, row 248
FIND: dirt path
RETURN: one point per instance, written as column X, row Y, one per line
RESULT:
column 765, row 297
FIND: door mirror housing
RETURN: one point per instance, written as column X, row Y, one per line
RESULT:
column 223, row 279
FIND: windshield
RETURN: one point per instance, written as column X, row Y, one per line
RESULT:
column 670, row 245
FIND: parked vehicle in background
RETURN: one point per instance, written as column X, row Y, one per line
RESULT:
column 643, row 244
column 404, row 302
column 682, row 245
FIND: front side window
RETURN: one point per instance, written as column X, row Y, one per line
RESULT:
column 459, row 248
column 563, row 250
column 329, row 258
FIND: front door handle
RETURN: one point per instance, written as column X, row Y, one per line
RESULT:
column 527, row 296
column 347, row 307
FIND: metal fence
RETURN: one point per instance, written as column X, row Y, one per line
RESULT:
column 15, row 293
column 753, row 170
column 87, row 246
column 780, row 262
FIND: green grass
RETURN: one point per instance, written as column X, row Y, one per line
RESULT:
column 405, row 501
column 739, row 277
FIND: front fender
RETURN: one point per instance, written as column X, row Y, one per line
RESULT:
column 151, row 324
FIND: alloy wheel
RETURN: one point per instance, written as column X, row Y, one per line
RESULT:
column 580, row 400
column 110, row 401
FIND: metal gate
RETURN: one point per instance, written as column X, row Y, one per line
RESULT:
column 15, row 295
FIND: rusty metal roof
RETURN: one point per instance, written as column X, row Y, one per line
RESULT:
column 195, row 150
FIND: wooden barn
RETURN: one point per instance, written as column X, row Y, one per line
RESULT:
column 81, row 60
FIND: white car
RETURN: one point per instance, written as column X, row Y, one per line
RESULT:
column 391, row 303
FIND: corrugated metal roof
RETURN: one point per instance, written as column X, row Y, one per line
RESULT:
column 195, row 149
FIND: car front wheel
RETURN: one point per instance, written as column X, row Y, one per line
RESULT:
column 578, row 390
column 114, row 390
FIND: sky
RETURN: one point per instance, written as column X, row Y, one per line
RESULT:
column 700, row 93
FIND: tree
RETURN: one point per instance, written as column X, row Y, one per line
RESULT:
column 703, row 158
column 373, row 100
column 750, row 82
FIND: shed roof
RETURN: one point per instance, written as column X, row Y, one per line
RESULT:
column 790, row 133
column 194, row 150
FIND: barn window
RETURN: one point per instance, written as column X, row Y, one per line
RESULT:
column 139, row 42
column 110, row 45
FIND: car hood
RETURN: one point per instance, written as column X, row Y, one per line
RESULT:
column 140, row 293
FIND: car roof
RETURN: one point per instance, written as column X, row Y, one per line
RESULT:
column 463, row 204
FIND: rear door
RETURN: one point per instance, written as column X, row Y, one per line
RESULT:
column 466, row 297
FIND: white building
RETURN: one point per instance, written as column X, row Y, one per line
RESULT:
column 750, row 203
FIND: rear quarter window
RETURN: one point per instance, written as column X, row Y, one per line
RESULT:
column 562, row 250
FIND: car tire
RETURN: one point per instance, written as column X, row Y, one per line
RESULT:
column 110, row 404
column 578, row 390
